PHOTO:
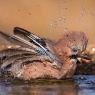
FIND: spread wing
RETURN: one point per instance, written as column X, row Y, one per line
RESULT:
column 28, row 35
column 32, row 48
column 39, row 42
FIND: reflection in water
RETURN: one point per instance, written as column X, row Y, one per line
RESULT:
column 46, row 89
column 86, row 91
column 59, row 88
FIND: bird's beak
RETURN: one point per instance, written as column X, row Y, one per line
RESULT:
column 85, row 58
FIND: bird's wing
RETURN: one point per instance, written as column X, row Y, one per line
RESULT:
column 39, row 42
column 28, row 35
column 27, row 40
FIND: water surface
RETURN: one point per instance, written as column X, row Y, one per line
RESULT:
column 82, row 85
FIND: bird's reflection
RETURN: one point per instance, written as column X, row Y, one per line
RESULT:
column 52, row 87
column 40, row 89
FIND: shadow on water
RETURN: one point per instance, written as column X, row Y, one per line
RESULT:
column 80, row 86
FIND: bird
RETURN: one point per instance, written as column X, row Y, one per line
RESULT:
column 38, row 57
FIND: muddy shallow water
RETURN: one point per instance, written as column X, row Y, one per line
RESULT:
column 82, row 85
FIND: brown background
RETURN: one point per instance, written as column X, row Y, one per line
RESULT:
column 49, row 18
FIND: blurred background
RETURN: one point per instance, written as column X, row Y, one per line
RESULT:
column 49, row 18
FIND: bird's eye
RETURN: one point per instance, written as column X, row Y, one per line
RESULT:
column 74, row 50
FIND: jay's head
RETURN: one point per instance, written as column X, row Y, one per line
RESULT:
column 72, row 46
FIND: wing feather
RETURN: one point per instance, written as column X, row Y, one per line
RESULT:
column 16, row 40
column 37, row 41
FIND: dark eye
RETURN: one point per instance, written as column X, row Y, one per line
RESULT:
column 74, row 50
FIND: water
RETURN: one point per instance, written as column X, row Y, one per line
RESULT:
column 82, row 85
column 86, row 84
